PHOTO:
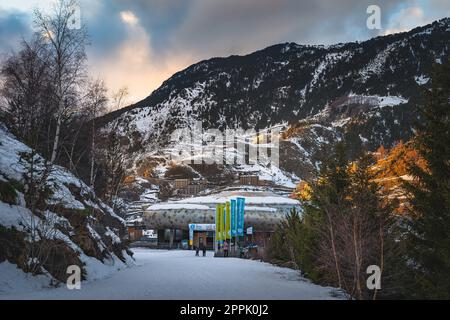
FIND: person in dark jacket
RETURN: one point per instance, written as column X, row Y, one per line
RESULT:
column 199, row 247
column 203, row 248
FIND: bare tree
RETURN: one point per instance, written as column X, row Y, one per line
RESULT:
column 25, row 90
column 95, row 104
column 66, row 49
column 111, row 159
column 79, row 143
column 119, row 97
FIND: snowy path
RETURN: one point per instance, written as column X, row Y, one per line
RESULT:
column 180, row 275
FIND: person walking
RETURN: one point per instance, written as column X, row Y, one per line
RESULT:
column 225, row 249
column 199, row 247
column 203, row 248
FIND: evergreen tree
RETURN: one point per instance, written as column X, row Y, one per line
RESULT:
column 345, row 226
column 429, row 229
column 367, row 232
column 327, row 205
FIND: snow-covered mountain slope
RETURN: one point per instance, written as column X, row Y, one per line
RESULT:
column 69, row 225
column 365, row 92
column 289, row 82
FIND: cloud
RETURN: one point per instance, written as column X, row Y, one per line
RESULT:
column 133, row 63
column 435, row 9
column 406, row 19
column 204, row 28
column 141, row 43
column 242, row 26
column 13, row 26
column 418, row 13
column 129, row 18
column 129, row 62
column 26, row 5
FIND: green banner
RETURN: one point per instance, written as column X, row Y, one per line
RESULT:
column 218, row 224
column 228, row 221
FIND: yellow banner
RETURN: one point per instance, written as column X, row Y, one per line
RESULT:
column 222, row 222
column 228, row 221
column 218, row 222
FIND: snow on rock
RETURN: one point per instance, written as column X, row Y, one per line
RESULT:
column 271, row 173
column 71, row 207
column 12, row 215
column 374, row 100
column 341, row 122
column 377, row 65
column 390, row 101
column 328, row 61
column 150, row 195
column 149, row 123
column 363, row 140
column 115, row 239
column 421, row 80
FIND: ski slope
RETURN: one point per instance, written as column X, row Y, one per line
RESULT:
column 179, row 275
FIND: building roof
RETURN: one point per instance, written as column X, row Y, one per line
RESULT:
column 251, row 198
column 177, row 206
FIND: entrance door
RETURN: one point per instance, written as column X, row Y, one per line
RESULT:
column 199, row 237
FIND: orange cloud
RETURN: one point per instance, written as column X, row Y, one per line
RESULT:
column 405, row 20
column 134, row 64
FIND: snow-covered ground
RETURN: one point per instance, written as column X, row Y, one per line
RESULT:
column 179, row 275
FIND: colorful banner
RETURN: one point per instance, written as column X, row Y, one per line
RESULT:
column 233, row 218
column 240, row 214
column 191, row 234
column 223, row 221
column 218, row 224
column 228, row 220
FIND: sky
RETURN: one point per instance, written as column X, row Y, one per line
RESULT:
column 141, row 43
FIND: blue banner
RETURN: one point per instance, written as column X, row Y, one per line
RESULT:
column 240, row 218
column 233, row 218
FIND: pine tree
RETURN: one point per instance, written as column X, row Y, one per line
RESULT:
column 429, row 229
column 328, row 203
column 366, row 231
column 351, row 225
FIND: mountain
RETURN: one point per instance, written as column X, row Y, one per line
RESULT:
column 366, row 92
column 69, row 226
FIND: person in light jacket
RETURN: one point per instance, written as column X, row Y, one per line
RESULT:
column 225, row 249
